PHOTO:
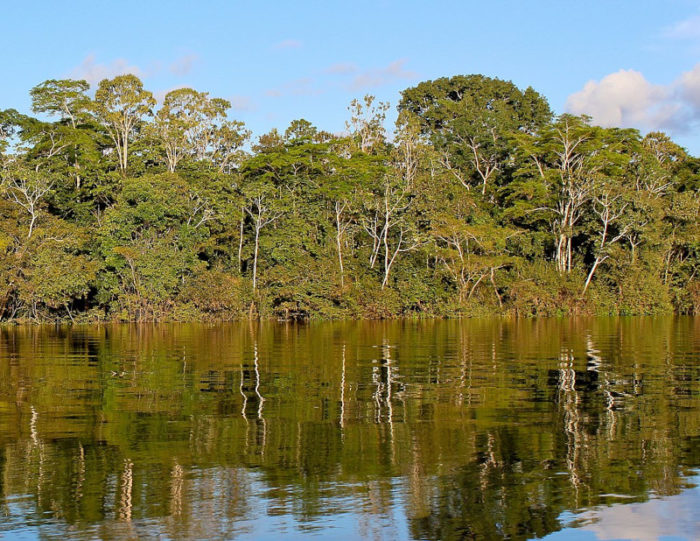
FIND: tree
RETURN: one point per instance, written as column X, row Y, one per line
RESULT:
column 388, row 223
column 470, row 120
column 348, row 185
column 262, row 213
column 227, row 144
column 192, row 125
column 366, row 124
column 58, row 272
column 566, row 158
column 150, row 241
column 120, row 105
column 477, row 201
column 65, row 98
column 609, row 206
column 172, row 121
column 27, row 189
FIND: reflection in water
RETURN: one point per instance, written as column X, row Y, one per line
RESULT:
column 675, row 516
column 431, row 430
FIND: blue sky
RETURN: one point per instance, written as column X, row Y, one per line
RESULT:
column 630, row 63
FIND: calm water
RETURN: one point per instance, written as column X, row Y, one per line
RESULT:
column 566, row 429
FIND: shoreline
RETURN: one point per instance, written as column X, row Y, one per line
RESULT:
column 507, row 316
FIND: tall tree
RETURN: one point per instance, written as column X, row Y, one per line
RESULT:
column 563, row 162
column 190, row 124
column 65, row 98
column 120, row 104
column 366, row 123
column 470, row 119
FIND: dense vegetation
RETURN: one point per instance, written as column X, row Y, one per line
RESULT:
column 481, row 201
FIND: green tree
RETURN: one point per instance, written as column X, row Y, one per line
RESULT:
column 470, row 120
column 120, row 105
column 27, row 189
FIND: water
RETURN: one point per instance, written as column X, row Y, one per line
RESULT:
column 487, row 429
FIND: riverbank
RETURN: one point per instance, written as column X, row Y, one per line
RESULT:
column 189, row 313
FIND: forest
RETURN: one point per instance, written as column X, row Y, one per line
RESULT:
column 480, row 201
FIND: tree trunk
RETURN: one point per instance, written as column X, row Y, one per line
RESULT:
column 597, row 262
column 561, row 256
column 339, row 232
column 240, row 242
column 255, row 256
column 125, row 153
column 340, row 258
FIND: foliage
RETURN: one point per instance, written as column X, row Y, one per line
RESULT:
column 481, row 202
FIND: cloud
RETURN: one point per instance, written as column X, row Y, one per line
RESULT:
column 288, row 44
column 159, row 95
column 343, row 75
column 93, row 72
column 689, row 85
column 242, row 103
column 381, row 76
column 686, row 29
column 183, row 66
column 626, row 99
column 341, row 68
column 304, row 86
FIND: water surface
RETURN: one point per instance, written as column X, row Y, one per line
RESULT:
column 478, row 429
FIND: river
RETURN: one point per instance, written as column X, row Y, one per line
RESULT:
column 477, row 429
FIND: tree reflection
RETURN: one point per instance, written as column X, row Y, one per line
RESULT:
column 465, row 429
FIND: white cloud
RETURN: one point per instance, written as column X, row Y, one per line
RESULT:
column 93, row 72
column 183, row 66
column 242, row 103
column 626, row 99
column 159, row 95
column 304, row 86
column 686, row 29
column 344, row 75
column 341, row 68
column 382, row 76
column 689, row 85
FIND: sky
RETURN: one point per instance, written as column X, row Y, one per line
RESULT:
column 625, row 63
